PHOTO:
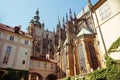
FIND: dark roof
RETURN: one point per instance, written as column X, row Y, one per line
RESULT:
column 43, row 59
column 11, row 29
column 6, row 27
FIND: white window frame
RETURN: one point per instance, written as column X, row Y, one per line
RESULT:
column 105, row 11
column 38, row 64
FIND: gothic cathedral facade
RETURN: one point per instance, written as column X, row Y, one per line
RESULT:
column 74, row 45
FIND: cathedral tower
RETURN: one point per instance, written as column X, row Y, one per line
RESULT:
column 43, row 39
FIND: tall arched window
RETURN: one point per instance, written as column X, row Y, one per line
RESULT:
column 82, row 57
column 94, row 60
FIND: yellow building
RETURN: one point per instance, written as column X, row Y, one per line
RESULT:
column 42, row 63
column 15, row 48
column 42, row 69
column 78, row 53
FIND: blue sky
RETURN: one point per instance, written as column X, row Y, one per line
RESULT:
column 20, row 12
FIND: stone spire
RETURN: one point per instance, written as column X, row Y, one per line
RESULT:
column 47, row 33
column 75, row 17
column 89, row 3
column 63, row 20
column 37, row 12
column 67, row 29
column 59, row 24
column 70, row 15
column 63, row 23
column 66, row 18
column 36, row 17
column 54, row 31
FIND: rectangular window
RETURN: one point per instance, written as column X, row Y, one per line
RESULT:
column 5, row 60
column 105, row 11
column 26, row 53
column 31, row 63
column 82, row 57
column 51, row 66
column 11, row 38
column 45, row 65
column 23, row 62
column 26, row 42
column 0, row 34
column 8, row 50
column 38, row 64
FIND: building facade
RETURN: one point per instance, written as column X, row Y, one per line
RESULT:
column 106, row 14
column 78, row 53
column 15, row 48
column 43, row 39
column 42, row 63
column 76, row 47
column 42, row 69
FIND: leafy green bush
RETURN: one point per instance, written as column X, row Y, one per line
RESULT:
column 112, row 70
column 15, row 74
column 99, row 74
column 114, row 46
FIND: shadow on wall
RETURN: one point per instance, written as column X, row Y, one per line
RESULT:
column 12, row 74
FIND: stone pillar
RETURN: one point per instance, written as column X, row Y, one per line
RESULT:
column 67, row 61
column 70, row 61
column 29, row 77
column 85, row 55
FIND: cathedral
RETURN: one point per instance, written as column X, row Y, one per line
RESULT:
column 43, row 39
column 73, row 47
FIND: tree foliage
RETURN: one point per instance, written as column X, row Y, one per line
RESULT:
column 114, row 46
column 112, row 70
column 15, row 74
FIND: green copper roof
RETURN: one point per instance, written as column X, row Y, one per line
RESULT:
column 83, row 31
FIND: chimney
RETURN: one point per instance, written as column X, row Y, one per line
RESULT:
column 17, row 29
column 47, row 56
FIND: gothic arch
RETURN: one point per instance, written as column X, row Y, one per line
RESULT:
column 51, row 77
column 93, row 56
column 34, row 76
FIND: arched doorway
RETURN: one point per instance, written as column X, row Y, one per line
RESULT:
column 35, row 76
column 51, row 77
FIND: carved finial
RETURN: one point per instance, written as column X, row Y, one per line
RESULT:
column 83, row 11
column 66, row 18
column 37, row 12
column 63, row 19
column 89, row 3
column 47, row 33
column 63, row 23
column 75, row 15
column 59, row 21
column 36, row 17
column 70, row 15
column 70, row 12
